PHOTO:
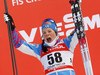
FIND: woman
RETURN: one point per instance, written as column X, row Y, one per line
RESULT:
column 55, row 55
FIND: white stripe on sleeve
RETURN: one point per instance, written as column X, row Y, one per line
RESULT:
column 73, row 43
column 27, row 50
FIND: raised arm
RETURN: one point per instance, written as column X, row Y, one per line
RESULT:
column 24, row 47
column 71, row 41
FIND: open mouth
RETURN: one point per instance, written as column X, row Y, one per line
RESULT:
column 48, row 39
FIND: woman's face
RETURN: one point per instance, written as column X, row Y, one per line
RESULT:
column 49, row 34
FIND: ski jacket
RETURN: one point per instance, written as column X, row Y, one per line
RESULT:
column 59, row 58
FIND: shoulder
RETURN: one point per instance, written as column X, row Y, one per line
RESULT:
column 35, row 45
column 32, row 45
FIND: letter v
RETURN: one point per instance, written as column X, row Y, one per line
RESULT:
column 26, row 37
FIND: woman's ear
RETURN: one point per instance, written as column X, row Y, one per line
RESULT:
column 56, row 33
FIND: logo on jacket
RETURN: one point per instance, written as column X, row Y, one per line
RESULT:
column 57, row 47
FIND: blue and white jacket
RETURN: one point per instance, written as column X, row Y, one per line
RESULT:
column 59, row 58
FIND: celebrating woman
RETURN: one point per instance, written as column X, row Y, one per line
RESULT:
column 56, row 55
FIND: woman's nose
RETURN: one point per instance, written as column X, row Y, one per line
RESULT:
column 47, row 34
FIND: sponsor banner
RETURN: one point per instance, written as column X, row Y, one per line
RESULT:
column 28, row 16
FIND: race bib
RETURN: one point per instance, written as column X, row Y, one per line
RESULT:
column 57, row 59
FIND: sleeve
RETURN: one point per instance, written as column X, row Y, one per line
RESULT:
column 24, row 47
column 71, row 41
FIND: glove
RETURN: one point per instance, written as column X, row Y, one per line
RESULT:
column 8, row 18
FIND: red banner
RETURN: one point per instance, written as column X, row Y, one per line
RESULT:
column 28, row 16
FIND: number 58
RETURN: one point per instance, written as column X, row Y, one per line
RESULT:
column 57, row 57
